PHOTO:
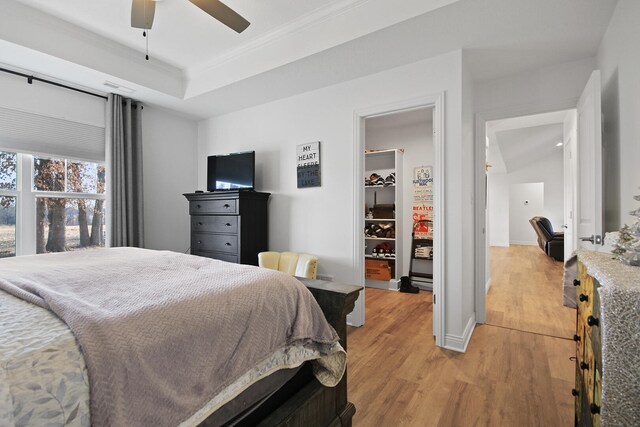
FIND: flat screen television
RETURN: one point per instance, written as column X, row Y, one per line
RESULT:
column 234, row 171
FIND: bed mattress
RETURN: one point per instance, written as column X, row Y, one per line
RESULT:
column 44, row 379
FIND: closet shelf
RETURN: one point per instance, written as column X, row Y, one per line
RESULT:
column 380, row 258
column 380, row 219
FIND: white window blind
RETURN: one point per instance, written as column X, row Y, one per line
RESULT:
column 38, row 134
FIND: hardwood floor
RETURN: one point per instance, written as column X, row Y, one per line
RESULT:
column 526, row 292
column 397, row 376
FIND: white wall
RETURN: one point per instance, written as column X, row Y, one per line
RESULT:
column 169, row 159
column 417, row 141
column 619, row 63
column 498, row 208
column 321, row 220
column 467, row 203
column 550, row 171
column 525, row 201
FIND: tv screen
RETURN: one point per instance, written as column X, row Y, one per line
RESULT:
column 231, row 171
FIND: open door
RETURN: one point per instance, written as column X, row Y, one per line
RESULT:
column 570, row 183
column 589, row 155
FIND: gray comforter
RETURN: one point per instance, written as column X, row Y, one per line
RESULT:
column 163, row 334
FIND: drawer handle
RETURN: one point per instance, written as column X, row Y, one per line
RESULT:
column 592, row 321
column 228, row 225
column 199, row 242
column 226, row 206
column 198, row 206
column 595, row 409
column 583, row 297
column 576, row 282
column 574, row 392
column 228, row 244
column 576, row 338
column 584, row 366
column 199, row 223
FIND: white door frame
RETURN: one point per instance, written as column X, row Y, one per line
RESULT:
column 436, row 102
column 480, row 191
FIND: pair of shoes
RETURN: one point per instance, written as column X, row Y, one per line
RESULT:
column 374, row 180
column 407, row 287
column 390, row 180
column 382, row 250
column 380, row 231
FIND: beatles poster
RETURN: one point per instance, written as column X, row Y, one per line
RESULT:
column 423, row 202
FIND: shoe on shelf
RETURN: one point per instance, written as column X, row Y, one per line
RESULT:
column 375, row 179
column 382, row 250
column 390, row 180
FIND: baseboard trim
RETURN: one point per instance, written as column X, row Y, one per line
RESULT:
column 460, row 343
column 517, row 242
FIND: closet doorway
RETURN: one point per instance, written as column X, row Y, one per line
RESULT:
column 399, row 160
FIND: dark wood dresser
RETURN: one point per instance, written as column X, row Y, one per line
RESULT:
column 230, row 226
column 588, row 391
column 607, row 339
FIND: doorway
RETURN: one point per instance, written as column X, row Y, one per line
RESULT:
column 585, row 189
column 392, row 131
column 526, row 173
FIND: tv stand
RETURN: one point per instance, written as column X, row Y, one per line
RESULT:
column 229, row 225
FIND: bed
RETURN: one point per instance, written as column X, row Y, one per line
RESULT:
column 161, row 338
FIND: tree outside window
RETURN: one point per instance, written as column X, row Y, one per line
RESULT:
column 8, row 189
column 74, row 219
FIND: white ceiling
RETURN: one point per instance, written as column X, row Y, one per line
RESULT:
column 201, row 68
column 182, row 35
column 520, row 141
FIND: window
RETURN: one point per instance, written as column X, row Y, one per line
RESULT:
column 8, row 194
column 65, row 197
column 70, row 208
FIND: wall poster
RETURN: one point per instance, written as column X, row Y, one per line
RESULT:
column 308, row 162
column 423, row 202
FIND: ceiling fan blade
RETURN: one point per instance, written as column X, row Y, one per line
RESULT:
column 142, row 12
column 223, row 13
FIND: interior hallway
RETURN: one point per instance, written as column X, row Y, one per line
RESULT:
column 507, row 377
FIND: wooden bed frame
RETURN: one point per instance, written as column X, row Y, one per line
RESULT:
column 303, row 401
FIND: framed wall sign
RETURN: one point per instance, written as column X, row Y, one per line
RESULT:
column 423, row 202
column 308, row 164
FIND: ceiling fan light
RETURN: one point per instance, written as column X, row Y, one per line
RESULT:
column 142, row 13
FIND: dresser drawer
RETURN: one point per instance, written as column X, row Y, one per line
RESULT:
column 221, row 206
column 214, row 242
column 214, row 224
column 217, row 255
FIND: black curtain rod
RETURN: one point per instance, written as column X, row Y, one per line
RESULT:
column 30, row 80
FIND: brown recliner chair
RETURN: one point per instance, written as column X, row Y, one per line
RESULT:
column 550, row 242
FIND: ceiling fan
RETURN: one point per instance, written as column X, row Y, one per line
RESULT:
column 143, row 11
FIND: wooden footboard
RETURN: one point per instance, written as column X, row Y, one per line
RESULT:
column 303, row 401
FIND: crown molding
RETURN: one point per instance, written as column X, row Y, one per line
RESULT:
column 305, row 21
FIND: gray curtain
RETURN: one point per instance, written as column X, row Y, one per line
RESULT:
column 126, row 172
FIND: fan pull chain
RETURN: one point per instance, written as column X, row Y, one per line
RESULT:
column 144, row 32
